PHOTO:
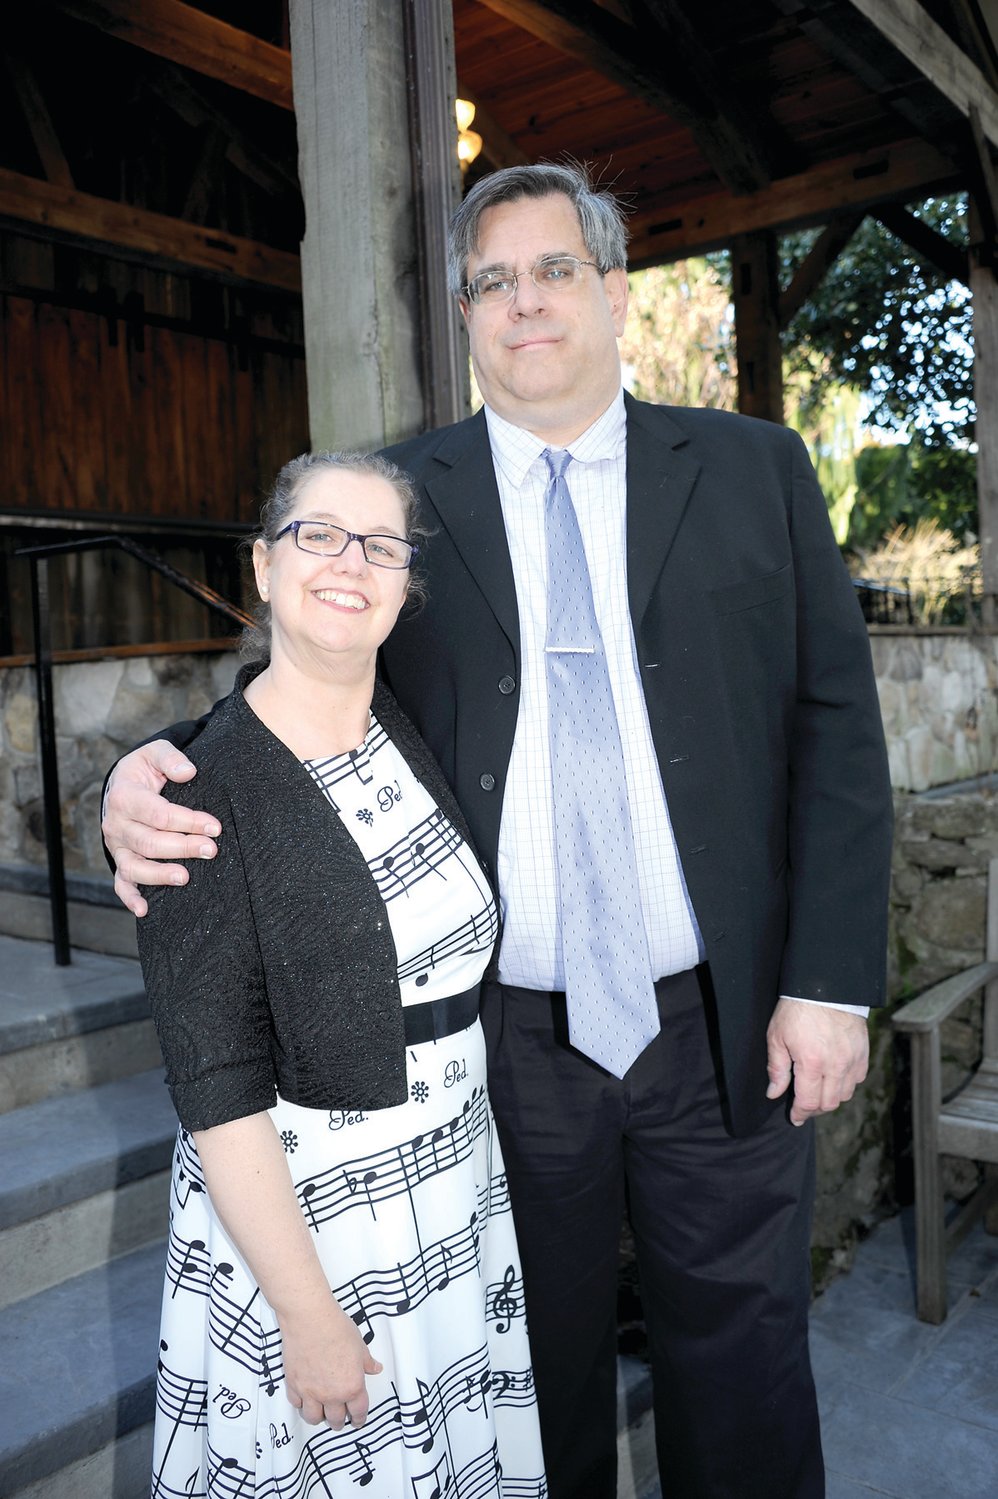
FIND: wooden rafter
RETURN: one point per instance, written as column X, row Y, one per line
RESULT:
column 204, row 178
column 184, row 35
column 251, row 159
column 138, row 234
column 903, row 172
column 597, row 39
column 909, row 28
column 814, row 267
column 681, row 34
column 857, row 45
column 39, row 121
column 975, row 38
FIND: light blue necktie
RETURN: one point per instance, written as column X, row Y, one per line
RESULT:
column 612, row 1011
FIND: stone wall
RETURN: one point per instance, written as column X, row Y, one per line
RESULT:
column 939, row 698
column 102, row 709
column 941, row 850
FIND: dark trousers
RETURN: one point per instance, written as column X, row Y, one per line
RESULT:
column 721, row 1228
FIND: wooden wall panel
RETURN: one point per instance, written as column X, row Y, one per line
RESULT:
column 87, row 411
column 118, row 416
column 23, row 427
column 249, row 484
column 131, row 391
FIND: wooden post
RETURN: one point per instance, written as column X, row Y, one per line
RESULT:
column 429, row 31
column 360, row 254
column 984, row 288
column 756, row 295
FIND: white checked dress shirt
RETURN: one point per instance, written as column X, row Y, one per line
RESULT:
column 597, row 480
column 527, row 880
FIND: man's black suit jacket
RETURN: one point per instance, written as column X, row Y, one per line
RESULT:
column 755, row 666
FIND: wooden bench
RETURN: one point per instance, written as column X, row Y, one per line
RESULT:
column 963, row 1125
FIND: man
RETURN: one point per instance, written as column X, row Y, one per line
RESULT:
column 685, row 739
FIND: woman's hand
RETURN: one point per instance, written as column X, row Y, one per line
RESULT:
column 325, row 1364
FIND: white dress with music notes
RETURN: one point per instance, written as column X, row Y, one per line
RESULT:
column 410, row 1214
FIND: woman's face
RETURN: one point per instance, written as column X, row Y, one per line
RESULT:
column 325, row 609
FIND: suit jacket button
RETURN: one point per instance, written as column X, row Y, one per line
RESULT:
column 506, row 686
column 487, row 782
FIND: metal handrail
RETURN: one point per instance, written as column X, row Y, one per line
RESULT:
column 38, row 557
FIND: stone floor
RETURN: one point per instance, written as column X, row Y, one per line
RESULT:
column 908, row 1411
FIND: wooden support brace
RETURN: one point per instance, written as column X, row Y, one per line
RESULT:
column 39, row 121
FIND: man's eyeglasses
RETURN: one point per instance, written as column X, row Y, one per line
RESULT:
column 550, row 273
column 325, row 540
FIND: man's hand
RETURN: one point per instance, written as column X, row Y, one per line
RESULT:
column 825, row 1051
column 140, row 826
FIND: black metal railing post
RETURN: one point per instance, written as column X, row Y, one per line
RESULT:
column 50, row 764
column 38, row 558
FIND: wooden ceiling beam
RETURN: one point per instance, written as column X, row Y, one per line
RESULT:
column 689, row 67
column 190, row 37
column 910, row 29
column 137, row 234
column 598, row 40
column 902, row 173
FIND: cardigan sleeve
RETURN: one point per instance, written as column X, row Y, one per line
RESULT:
column 205, row 981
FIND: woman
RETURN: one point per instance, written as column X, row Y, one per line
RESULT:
column 343, row 1302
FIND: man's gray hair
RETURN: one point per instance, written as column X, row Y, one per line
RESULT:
column 601, row 218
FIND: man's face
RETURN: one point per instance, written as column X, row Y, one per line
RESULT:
column 546, row 360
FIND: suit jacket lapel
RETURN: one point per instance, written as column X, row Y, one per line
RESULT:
column 466, row 497
column 660, row 480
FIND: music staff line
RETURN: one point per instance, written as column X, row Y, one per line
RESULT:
column 416, row 1422
column 413, row 857
column 477, row 934
column 336, row 769
column 393, row 1172
column 184, row 1402
column 392, row 1292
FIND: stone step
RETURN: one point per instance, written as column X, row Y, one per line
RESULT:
column 63, row 1029
column 97, row 919
column 637, row 1467
column 77, row 1384
column 85, row 1179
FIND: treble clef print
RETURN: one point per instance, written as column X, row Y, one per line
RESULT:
column 504, row 1303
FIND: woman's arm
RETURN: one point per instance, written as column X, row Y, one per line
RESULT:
column 325, row 1358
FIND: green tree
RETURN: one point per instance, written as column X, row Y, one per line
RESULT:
column 892, row 325
column 678, row 347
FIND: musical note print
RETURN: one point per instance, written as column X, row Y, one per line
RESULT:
column 394, row 1172
column 418, row 853
column 477, row 934
column 404, row 1286
column 407, row 1209
column 513, row 1386
column 506, row 1300
column 354, row 765
column 434, row 1484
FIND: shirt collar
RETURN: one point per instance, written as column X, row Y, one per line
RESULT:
column 514, row 449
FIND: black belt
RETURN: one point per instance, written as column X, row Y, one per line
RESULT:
column 438, row 1018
